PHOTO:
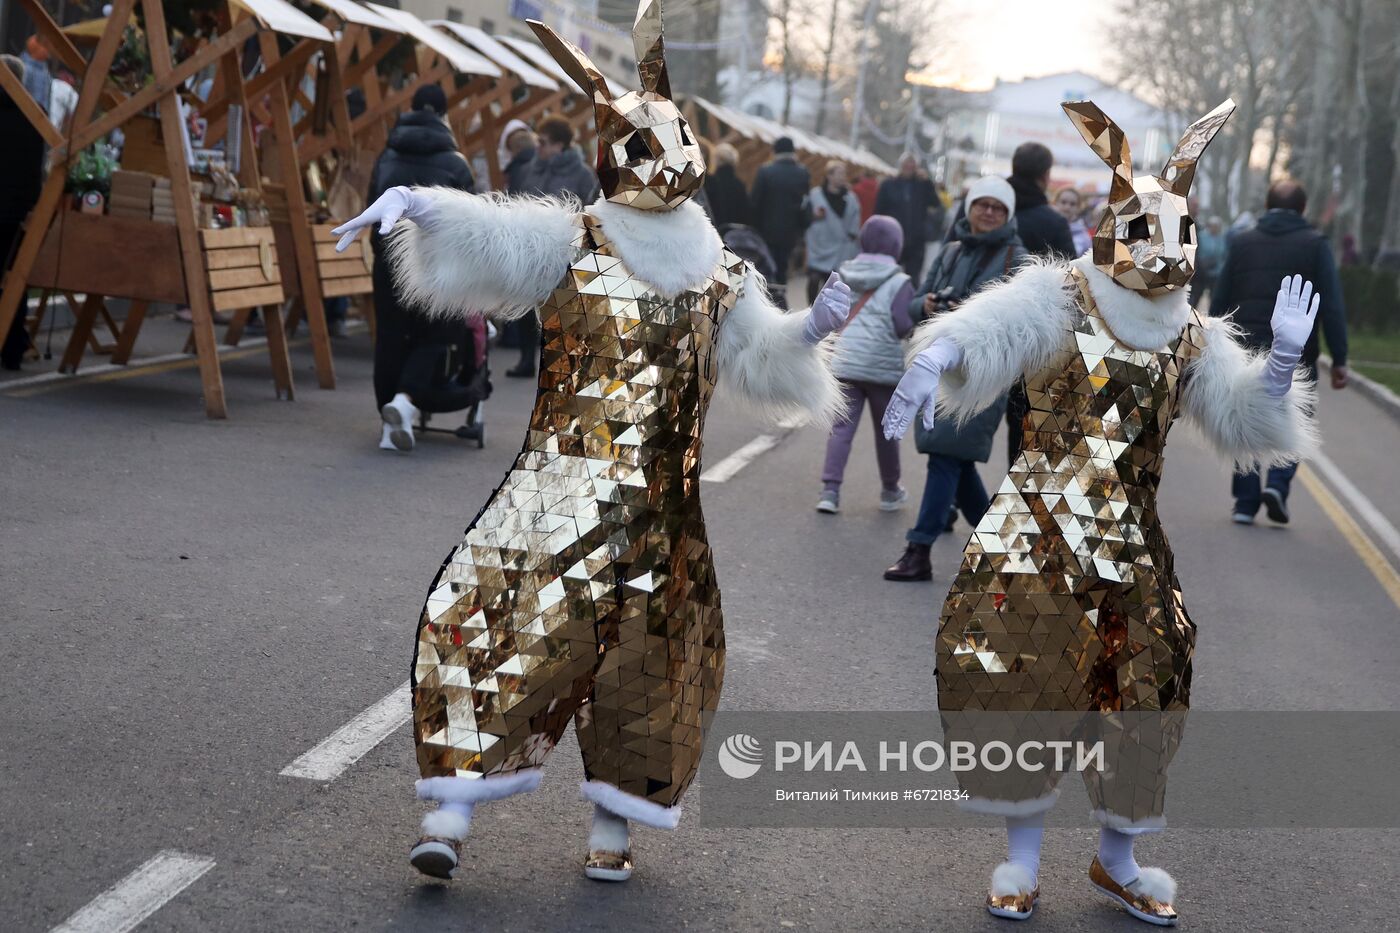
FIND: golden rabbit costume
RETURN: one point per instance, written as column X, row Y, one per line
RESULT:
column 584, row 590
column 1067, row 600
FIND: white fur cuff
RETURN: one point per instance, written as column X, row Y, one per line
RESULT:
column 446, row 824
column 1127, row 826
column 629, row 806
column 994, row 807
column 475, row 790
column 1010, row 879
column 1157, row 885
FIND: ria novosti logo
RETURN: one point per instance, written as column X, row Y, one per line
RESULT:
column 740, row 756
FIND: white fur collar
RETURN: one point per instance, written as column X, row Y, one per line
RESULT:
column 1141, row 322
column 671, row 250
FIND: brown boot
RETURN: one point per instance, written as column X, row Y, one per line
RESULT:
column 914, row 565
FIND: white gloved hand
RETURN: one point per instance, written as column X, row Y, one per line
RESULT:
column 1295, row 314
column 393, row 204
column 919, row 387
column 829, row 311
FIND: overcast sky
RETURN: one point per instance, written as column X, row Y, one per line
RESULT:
column 1014, row 39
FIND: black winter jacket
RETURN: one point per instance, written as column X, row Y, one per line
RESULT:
column 563, row 174
column 516, row 170
column 422, row 151
column 908, row 200
column 729, row 202
column 1043, row 230
column 776, row 201
column 1282, row 243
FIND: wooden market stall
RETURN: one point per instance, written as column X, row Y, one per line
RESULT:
column 163, row 233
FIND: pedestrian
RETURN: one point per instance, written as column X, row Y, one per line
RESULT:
column 558, row 170
column 776, row 205
column 1067, row 599
column 1210, row 255
column 584, row 590
column 1282, row 243
column 909, row 197
column 412, row 352
column 1046, row 235
column 867, row 189
column 37, row 79
column 22, row 168
column 1070, row 206
column 728, row 199
column 516, row 152
column 985, row 248
column 833, row 228
column 869, row 358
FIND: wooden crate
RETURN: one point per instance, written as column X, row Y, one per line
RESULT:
column 126, row 257
column 242, row 266
column 346, row 273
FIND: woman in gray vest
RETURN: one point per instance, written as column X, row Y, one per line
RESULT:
column 984, row 249
column 869, row 358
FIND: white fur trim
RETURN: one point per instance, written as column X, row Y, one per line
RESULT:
column 1140, row 321
column 475, row 790
column 1010, row 879
column 763, row 356
column 1005, row 331
column 995, row 807
column 475, row 253
column 1156, row 884
column 1225, row 395
column 446, row 824
column 629, row 806
column 1129, row 827
column 673, row 251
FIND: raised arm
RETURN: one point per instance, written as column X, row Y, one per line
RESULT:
column 967, row 358
column 454, row 253
column 778, row 361
column 1249, row 405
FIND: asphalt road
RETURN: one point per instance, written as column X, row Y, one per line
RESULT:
column 188, row 606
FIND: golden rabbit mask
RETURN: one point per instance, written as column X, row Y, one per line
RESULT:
column 647, row 155
column 1146, row 239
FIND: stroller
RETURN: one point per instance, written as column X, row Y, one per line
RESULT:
column 744, row 242
column 460, row 378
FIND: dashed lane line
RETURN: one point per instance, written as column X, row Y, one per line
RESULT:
column 352, row 741
column 134, row 898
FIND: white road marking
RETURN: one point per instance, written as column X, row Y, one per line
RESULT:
column 125, row 904
column 732, row 464
column 352, row 741
column 1358, row 502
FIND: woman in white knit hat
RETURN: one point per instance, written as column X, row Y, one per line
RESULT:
column 984, row 248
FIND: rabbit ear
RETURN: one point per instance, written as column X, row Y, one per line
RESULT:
column 574, row 61
column 1180, row 169
column 1107, row 140
column 651, row 51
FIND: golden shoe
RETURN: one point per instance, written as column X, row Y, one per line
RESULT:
column 1013, row 892
column 608, row 866
column 1149, row 897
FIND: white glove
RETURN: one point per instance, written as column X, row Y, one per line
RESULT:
column 1295, row 314
column 829, row 311
column 393, row 204
column 919, row 387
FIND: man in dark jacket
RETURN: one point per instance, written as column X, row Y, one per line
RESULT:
column 776, row 205
column 1281, row 243
column 908, row 198
column 411, row 350
column 1045, row 233
column 557, row 170
column 22, row 171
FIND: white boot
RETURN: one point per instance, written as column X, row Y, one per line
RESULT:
column 440, row 847
column 609, row 848
column 399, row 414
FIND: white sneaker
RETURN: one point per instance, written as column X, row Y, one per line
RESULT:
column 1242, row 518
column 892, row 500
column 385, row 441
column 830, row 502
column 399, row 416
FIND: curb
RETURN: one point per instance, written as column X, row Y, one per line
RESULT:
column 1384, row 399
